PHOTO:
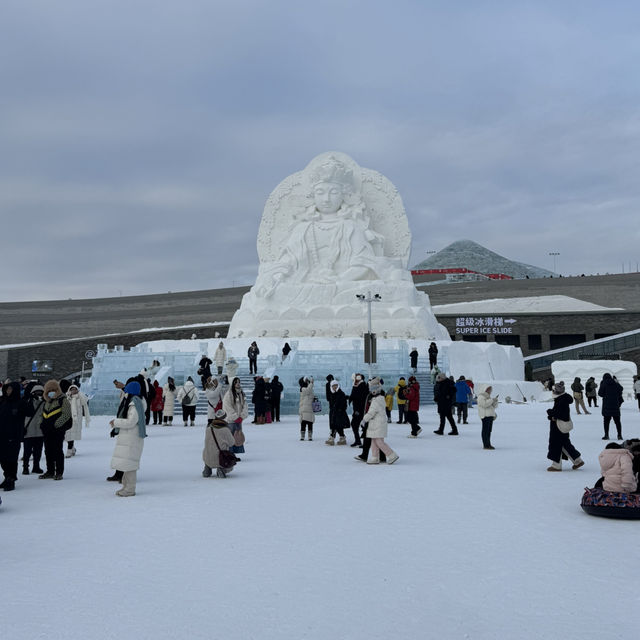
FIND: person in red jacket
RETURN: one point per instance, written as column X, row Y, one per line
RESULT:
column 413, row 406
column 157, row 404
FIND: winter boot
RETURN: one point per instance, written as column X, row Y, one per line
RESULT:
column 206, row 472
column 185, row 423
column 330, row 441
column 220, row 473
column 36, row 469
column 577, row 463
column 302, row 434
column 46, row 475
column 58, row 476
column 25, row 469
column 453, row 433
column 310, row 435
column 8, row 485
column 342, row 440
column 373, row 461
column 555, row 466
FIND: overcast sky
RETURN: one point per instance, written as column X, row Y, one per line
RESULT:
column 139, row 139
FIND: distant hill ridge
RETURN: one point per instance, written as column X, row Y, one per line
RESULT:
column 467, row 254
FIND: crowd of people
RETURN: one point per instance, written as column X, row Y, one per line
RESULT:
column 38, row 417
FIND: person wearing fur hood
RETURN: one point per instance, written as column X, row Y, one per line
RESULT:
column 377, row 426
column 214, row 392
column 223, row 441
column 79, row 404
column 56, row 420
column 559, row 440
column 33, row 438
column 129, row 427
column 487, row 413
column 616, row 467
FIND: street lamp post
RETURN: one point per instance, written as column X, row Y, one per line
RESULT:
column 554, row 254
column 369, row 337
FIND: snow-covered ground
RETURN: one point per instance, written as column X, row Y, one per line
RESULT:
column 537, row 304
column 304, row 542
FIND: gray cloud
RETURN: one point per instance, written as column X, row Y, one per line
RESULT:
column 140, row 140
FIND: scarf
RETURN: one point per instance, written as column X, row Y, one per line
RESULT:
column 137, row 403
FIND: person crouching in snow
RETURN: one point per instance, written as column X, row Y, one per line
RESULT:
column 130, row 429
column 217, row 438
column 338, row 418
column 376, row 419
column 559, row 426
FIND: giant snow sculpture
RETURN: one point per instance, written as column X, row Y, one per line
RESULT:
column 328, row 234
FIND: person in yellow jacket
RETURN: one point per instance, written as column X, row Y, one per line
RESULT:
column 401, row 390
column 388, row 399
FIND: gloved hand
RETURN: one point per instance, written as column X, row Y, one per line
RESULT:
column 113, row 433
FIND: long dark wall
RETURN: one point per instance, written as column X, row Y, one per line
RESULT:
column 61, row 319
column 67, row 356
column 22, row 322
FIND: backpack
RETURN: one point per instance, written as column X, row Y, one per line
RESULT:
column 186, row 399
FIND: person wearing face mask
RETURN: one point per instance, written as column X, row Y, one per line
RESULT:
column 12, row 414
column 56, row 419
column 79, row 410
column 33, row 438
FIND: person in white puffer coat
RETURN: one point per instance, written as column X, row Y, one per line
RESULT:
column 130, row 430
column 188, row 397
column 220, row 357
column 169, row 397
column 487, row 413
column 376, row 419
column 616, row 466
column 79, row 410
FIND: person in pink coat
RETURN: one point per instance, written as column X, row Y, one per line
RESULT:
column 616, row 466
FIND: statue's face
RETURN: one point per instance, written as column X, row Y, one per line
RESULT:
column 328, row 196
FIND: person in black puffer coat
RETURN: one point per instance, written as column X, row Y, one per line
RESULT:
column 258, row 397
column 12, row 413
column 338, row 418
column 444, row 394
column 610, row 391
column 559, row 442
column 358, row 399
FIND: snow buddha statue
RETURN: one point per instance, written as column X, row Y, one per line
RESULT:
column 328, row 234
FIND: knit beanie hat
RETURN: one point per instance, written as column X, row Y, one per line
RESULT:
column 221, row 414
column 558, row 388
column 133, row 388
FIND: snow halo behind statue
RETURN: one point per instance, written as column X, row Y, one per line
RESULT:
column 329, row 233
